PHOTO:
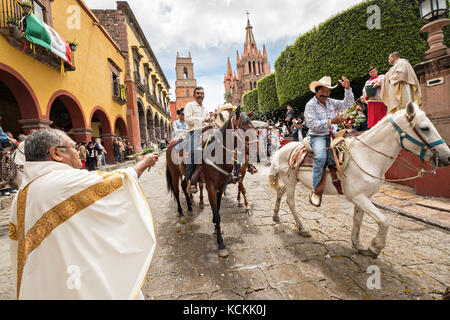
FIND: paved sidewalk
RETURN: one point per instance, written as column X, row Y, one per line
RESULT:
column 402, row 200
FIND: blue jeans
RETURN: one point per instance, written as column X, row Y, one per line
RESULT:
column 195, row 152
column 117, row 158
column 319, row 145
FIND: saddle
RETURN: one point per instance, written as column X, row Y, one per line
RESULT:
column 303, row 156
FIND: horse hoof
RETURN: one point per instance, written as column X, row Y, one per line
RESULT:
column 240, row 205
column 304, row 233
column 202, row 206
column 248, row 212
column 368, row 253
column 183, row 220
column 224, row 253
column 190, row 213
column 276, row 218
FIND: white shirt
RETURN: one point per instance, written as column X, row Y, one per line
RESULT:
column 194, row 115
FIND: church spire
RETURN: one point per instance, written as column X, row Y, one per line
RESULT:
column 229, row 70
column 250, row 43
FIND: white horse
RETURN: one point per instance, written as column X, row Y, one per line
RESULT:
column 371, row 157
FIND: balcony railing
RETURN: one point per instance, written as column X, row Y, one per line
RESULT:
column 140, row 87
column 120, row 93
column 152, row 100
column 13, row 28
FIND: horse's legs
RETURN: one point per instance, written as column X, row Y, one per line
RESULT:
column 357, row 221
column 214, row 200
column 291, row 203
column 239, row 195
column 201, row 204
column 188, row 199
column 244, row 194
column 280, row 194
column 379, row 242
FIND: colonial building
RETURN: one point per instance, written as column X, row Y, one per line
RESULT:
column 148, row 88
column 44, row 83
column 185, row 83
column 251, row 66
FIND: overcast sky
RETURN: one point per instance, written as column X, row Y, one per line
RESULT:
column 213, row 30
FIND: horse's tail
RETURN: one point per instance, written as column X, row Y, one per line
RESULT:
column 169, row 181
column 274, row 179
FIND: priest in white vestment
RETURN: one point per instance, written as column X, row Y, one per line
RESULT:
column 77, row 234
column 400, row 85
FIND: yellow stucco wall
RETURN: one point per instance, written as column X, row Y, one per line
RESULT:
column 133, row 41
column 90, row 83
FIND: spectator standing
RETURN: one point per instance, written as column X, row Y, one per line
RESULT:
column 83, row 154
column 91, row 156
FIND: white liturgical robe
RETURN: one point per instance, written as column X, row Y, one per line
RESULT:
column 80, row 235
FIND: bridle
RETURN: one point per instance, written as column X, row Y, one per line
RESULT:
column 235, row 134
column 424, row 145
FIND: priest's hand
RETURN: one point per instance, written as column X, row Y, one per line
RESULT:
column 148, row 161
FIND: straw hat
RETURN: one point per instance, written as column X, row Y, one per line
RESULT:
column 227, row 106
column 324, row 82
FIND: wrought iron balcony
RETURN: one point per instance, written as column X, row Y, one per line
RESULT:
column 140, row 87
column 13, row 28
column 120, row 93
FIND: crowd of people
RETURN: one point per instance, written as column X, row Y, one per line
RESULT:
column 92, row 156
column 161, row 143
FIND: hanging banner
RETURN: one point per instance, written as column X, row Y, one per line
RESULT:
column 40, row 33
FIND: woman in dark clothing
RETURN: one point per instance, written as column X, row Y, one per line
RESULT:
column 91, row 156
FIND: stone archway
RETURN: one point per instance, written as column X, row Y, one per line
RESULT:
column 101, row 128
column 157, row 127
column 120, row 128
column 163, row 129
column 18, row 103
column 66, row 114
column 142, row 122
column 150, row 125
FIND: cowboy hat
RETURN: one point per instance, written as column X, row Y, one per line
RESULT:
column 227, row 106
column 324, row 82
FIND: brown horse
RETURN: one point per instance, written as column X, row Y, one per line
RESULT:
column 216, row 175
column 175, row 174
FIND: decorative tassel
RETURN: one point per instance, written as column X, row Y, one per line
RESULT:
column 63, row 73
column 24, row 45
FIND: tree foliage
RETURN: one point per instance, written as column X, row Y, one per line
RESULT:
column 345, row 46
column 250, row 101
column 267, row 94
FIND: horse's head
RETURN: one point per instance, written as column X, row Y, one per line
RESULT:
column 419, row 136
column 242, row 120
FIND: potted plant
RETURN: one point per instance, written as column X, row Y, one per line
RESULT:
column 73, row 45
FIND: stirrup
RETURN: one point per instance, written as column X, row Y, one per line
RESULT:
column 315, row 199
column 191, row 189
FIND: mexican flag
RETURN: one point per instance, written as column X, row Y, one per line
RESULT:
column 40, row 33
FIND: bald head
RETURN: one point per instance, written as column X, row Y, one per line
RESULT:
column 394, row 57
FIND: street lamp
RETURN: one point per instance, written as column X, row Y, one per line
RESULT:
column 432, row 9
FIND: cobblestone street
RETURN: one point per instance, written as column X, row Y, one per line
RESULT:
column 271, row 261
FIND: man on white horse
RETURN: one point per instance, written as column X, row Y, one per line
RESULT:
column 322, row 116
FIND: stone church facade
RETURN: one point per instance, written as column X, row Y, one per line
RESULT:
column 251, row 66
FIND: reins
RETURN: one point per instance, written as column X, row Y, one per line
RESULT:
column 404, row 162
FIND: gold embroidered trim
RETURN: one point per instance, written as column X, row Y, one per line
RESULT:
column 58, row 215
column 21, row 257
column 12, row 233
